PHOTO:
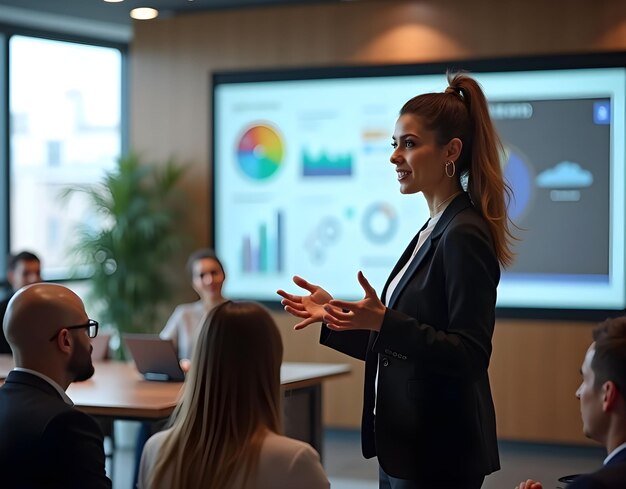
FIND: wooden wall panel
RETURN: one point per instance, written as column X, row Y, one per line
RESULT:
column 535, row 364
column 535, row 371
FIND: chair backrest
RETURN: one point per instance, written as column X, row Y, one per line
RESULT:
column 100, row 347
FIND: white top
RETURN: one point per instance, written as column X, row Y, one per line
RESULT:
column 184, row 325
column 284, row 463
column 421, row 239
column 56, row 386
column 614, row 452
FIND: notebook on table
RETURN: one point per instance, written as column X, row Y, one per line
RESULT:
column 154, row 357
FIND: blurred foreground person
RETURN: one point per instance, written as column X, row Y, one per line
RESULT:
column 45, row 441
column 602, row 396
column 225, row 430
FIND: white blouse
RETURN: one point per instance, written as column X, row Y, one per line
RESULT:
column 184, row 325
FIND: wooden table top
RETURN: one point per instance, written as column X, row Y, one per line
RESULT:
column 118, row 390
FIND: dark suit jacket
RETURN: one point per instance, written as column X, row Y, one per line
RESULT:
column 4, row 345
column 44, row 442
column 435, row 418
column 611, row 476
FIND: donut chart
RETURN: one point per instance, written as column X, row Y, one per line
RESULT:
column 260, row 152
column 380, row 223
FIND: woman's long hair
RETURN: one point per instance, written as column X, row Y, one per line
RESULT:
column 462, row 112
column 230, row 401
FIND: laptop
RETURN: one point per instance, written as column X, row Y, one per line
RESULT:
column 154, row 357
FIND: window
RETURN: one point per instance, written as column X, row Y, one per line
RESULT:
column 3, row 174
column 65, row 103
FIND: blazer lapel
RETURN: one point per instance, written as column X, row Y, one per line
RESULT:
column 457, row 205
column 417, row 260
column 406, row 256
column 618, row 458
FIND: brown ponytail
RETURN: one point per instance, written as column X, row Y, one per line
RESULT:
column 462, row 112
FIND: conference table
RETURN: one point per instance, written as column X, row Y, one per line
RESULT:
column 118, row 391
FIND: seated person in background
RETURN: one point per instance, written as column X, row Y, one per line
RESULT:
column 207, row 278
column 225, row 429
column 45, row 441
column 22, row 269
column 602, row 396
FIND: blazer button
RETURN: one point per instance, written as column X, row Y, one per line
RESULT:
column 385, row 362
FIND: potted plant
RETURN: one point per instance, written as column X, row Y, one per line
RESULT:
column 127, row 257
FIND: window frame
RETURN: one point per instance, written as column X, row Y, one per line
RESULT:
column 6, row 33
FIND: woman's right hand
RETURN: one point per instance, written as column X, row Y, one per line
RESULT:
column 529, row 484
column 308, row 307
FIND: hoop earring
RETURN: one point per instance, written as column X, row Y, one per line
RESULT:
column 449, row 164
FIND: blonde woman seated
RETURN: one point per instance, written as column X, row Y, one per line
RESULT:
column 225, row 429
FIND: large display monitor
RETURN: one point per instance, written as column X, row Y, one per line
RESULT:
column 302, row 183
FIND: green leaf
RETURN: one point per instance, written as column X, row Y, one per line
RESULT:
column 138, row 206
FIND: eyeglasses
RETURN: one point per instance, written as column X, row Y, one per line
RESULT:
column 91, row 326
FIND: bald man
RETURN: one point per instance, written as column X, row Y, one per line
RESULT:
column 44, row 441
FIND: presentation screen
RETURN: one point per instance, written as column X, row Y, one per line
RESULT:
column 303, row 185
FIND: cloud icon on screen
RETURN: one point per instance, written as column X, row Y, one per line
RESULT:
column 565, row 174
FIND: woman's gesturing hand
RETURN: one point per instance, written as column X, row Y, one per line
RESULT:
column 529, row 484
column 308, row 307
column 368, row 313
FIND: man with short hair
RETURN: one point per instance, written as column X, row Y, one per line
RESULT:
column 602, row 396
column 22, row 269
column 44, row 441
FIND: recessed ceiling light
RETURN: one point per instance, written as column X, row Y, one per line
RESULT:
column 144, row 13
column 113, row 1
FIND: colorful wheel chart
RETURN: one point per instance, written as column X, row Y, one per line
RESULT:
column 260, row 152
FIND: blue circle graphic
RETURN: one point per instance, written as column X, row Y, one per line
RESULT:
column 380, row 223
column 519, row 176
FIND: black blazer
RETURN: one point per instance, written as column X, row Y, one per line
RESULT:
column 44, row 442
column 611, row 476
column 435, row 418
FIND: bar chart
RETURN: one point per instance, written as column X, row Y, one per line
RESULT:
column 262, row 249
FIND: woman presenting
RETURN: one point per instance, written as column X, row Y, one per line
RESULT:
column 428, row 413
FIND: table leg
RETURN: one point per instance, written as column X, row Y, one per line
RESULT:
column 303, row 415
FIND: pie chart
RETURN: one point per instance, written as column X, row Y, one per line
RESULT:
column 260, row 152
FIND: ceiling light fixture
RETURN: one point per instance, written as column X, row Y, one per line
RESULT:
column 113, row 1
column 144, row 13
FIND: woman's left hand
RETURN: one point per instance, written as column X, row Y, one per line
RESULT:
column 368, row 313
